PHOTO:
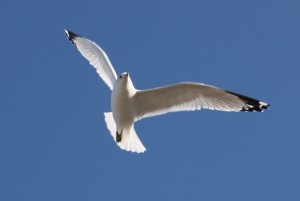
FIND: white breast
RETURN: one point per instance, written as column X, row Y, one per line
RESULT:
column 122, row 105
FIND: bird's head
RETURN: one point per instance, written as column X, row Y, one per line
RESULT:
column 124, row 80
column 123, row 76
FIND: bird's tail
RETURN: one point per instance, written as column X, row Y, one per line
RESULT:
column 130, row 141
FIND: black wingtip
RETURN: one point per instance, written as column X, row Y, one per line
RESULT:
column 251, row 104
column 71, row 36
column 265, row 106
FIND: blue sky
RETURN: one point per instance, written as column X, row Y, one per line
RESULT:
column 54, row 144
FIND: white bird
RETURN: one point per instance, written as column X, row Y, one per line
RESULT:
column 130, row 105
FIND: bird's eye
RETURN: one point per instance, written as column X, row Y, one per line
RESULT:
column 120, row 76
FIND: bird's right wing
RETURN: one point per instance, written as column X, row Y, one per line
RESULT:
column 191, row 96
column 96, row 56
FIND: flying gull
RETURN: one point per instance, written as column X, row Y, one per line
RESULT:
column 130, row 105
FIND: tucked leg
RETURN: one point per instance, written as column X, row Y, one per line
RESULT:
column 119, row 136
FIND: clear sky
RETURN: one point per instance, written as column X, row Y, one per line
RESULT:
column 54, row 144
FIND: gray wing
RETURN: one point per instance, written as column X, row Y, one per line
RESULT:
column 191, row 96
column 96, row 56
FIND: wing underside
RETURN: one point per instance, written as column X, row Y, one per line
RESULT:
column 192, row 96
column 96, row 56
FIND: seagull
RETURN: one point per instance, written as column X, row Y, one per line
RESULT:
column 129, row 104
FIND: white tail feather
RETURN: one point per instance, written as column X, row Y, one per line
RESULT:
column 130, row 141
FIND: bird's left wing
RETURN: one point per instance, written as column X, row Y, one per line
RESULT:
column 191, row 96
column 96, row 56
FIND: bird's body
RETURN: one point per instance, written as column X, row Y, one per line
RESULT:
column 130, row 105
column 122, row 103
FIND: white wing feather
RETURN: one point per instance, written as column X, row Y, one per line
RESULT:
column 191, row 96
column 96, row 56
